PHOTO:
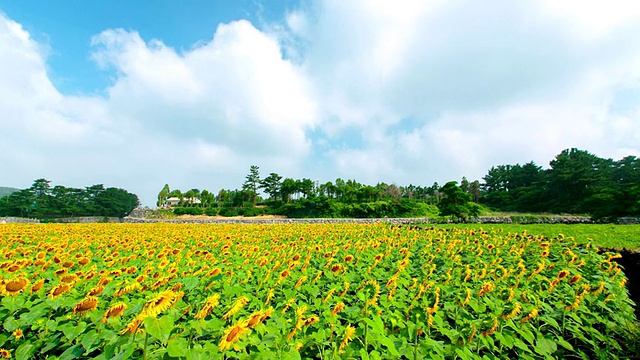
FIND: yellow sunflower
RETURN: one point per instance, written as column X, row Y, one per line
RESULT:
column 232, row 335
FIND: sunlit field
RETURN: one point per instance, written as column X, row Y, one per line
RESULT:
column 332, row 291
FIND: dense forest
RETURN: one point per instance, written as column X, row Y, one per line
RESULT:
column 576, row 182
column 44, row 202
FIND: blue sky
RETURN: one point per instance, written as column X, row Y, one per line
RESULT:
column 136, row 94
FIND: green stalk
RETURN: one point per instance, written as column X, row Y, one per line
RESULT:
column 146, row 338
column 415, row 347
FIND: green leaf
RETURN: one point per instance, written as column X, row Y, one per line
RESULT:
column 11, row 324
column 125, row 354
column 12, row 303
column 36, row 313
column 391, row 347
column 564, row 344
column 72, row 331
column 191, row 282
column 24, row 351
column 376, row 324
column 545, row 346
column 159, row 328
column 90, row 341
column 72, row 353
column 177, row 347
column 363, row 354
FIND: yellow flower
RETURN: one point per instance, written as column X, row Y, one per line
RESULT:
column 5, row 354
column 17, row 334
column 115, row 310
column 337, row 309
column 59, row 290
column 493, row 328
column 212, row 302
column 232, row 335
column 85, row 305
column 159, row 303
column 237, row 306
column 348, row 334
column 13, row 287
column 37, row 286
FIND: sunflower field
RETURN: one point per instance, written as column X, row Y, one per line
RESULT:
column 332, row 291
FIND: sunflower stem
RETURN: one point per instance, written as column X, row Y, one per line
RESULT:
column 146, row 341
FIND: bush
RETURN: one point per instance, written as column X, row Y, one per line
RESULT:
column 228, row 211
column 188, row 211
column 211, row 211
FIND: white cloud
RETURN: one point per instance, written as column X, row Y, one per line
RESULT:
column 197, row 118
column 401, row 92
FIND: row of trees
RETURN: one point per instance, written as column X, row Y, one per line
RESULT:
column 576, row 182
column 308, row 198
column 43, row 201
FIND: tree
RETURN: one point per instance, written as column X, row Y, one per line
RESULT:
column 578, row 181
column 163, row 195
column 271, row 185
column 456, row 202
column 287, row 188
column 250, row 186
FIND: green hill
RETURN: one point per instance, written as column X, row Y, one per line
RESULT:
column 4, row 191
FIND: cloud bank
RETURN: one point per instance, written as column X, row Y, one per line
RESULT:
column 402, row 92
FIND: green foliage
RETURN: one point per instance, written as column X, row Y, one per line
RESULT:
column 211, row 211
column 602, row 235
column 6, row 191
column 42, row 201
column 188, row 211
column 577, row 182
column 457, row 203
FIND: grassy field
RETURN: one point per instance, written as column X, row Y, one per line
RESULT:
column 603, row 235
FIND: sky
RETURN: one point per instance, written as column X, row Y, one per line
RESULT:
column 137, row 94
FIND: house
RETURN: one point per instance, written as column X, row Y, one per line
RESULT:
column 174, row 201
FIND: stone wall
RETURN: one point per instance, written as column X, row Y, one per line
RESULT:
column 87, row 220
column 480, row 220
column 17, row 220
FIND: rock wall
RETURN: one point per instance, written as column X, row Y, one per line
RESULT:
column 18, row 220
column 87, row 220
column 480, row 220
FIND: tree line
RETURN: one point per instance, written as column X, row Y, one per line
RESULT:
column 576, row 182
column 45, row 202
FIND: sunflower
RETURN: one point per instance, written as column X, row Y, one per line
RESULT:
column 337, row 309
column 37, row 285
column 311, row 320
column 300, row 281
column 336, row 268
column 574, row 279
column 329, row 295
column 13, row 287
column 348, row 336
column 115, row 310
column 562, row 274
column 159, row 303
column 232, row 335
column 254, row 319
column 209, row 304
column 514, row 311
column 17, row 334
column 532, row 315
column 492, row 329
column 5, row 354
column 237, row 306
column 59, row 290
column 85, row 305
column 96, row 291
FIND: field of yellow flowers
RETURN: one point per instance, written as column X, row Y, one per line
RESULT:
column 154, row 291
